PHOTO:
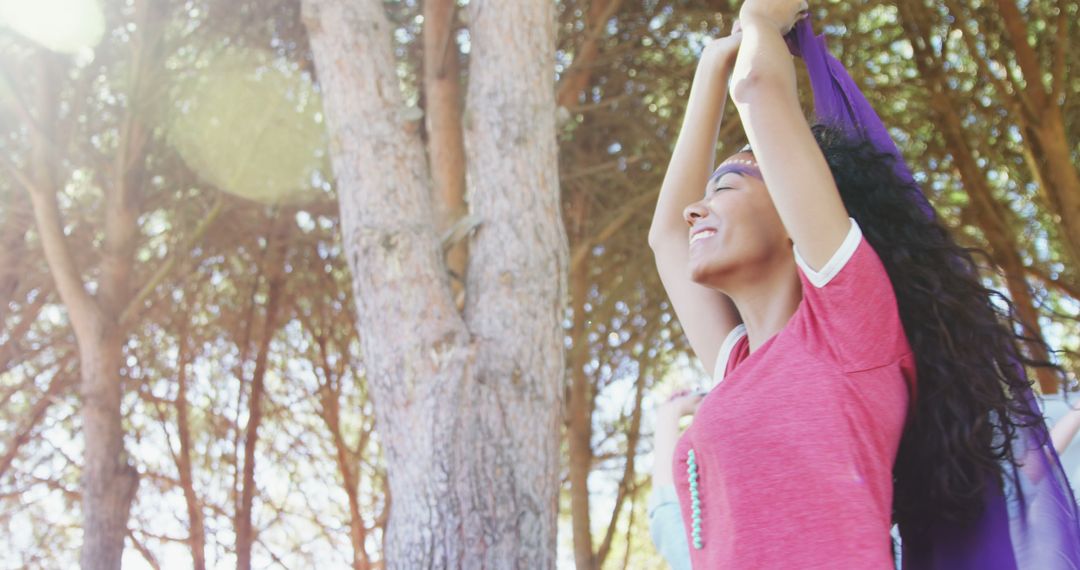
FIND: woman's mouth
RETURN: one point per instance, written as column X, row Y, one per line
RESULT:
column 702, row 235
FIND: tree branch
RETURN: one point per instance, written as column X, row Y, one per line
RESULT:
column 1016, row 28
column 1061, row 49
column 129, row 312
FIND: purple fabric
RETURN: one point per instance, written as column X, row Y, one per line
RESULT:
column 1031, row 524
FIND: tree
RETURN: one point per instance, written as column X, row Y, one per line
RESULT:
column 99, row 308
column 468, row 404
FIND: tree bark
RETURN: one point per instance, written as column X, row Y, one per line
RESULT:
column 467, row 407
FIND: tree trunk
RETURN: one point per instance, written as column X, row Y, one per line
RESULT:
column 627, row 486
column 468, row 409
column 245, row 536
column 579, row 404
column 1052, row 158
column 109, row 482
column 446, row 145
column 196, row 527
column 348, row 459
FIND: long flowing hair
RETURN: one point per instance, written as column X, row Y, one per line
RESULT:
column 968, row 406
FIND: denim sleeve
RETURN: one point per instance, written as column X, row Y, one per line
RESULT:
column 666, row 527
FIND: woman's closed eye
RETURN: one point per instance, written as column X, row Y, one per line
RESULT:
column 718, row 188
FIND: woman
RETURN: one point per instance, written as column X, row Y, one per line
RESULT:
column 812, row 278
column 665, row 520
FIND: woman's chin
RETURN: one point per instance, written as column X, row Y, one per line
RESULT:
column 706, row 271
column 700, row 273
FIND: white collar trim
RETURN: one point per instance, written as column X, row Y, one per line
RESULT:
column 821, row 278
column 725, row 353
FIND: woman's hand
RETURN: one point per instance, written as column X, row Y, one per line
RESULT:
column 680, row 403
column 779, row 14
column 722, row 51
column 667, row 432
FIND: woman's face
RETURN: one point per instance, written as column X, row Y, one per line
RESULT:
column 748, row 233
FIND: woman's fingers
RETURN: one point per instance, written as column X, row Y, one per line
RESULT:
column 677, row 394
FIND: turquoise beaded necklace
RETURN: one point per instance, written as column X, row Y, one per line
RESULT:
column 695, row 502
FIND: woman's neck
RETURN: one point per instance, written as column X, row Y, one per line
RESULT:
column 767, row 302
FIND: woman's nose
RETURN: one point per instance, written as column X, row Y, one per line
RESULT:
column 694, row 212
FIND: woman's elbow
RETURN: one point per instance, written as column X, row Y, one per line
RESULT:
column 755, row 85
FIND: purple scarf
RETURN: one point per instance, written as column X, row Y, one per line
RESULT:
column 1032, row 524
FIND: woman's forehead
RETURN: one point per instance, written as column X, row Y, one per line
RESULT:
column 741, row 163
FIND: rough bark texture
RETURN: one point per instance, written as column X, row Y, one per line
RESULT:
column 467, row 407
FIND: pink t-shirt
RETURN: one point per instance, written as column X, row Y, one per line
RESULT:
column 795, row 443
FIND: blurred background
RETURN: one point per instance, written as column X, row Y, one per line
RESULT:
column 172, row 266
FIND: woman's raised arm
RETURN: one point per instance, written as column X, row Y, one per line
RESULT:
column 706, row 315
column 791, row 162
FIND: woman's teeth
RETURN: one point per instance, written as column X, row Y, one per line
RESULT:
column 702, row 235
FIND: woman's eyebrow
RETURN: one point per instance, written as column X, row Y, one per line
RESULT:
column 739, row 169
column 716, row 178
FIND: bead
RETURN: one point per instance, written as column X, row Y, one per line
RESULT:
column 740, row 161
column 695, row 500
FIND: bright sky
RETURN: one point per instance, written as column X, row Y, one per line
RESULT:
column 66, row 26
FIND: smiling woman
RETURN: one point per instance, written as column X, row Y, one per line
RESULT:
column 833, row 325
column 65, row 26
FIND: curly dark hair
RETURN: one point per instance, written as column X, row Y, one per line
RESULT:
column 969, row 403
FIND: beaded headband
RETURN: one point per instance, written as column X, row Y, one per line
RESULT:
column 740, row 161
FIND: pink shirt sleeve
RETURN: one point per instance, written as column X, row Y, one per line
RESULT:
column 851, row 314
